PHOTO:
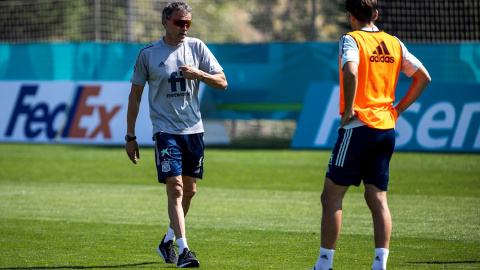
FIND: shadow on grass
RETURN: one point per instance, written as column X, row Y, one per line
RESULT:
column 454, row 262
column 252, row 144
column 84, row 267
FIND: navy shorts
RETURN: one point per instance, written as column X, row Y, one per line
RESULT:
column 362, row 153
column 178, row 155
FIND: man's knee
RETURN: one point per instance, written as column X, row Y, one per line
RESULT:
column 174, row 187
column 189, row 193
column 189, row 186
column 332, row 194
column 325, row 199
column 376, row 201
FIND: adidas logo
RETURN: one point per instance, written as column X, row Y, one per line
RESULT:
column 161, row 64
column 377, row 258
column 381, row 54
column 324, row 257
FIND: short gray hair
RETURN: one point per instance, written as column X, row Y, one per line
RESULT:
column 175, row 6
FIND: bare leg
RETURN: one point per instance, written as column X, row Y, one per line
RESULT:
column 189, row 190
column 331, row 198
column 382, row 221
column 175, row 208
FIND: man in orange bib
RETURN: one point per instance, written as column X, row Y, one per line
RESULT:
column 370, row 63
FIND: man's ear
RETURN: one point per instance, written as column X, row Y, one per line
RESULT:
column 352, row 17
column 376, row 15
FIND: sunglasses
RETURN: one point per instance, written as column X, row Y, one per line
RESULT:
column 181, row 23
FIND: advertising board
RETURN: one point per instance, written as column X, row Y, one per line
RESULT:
column 77, row 112
column 445, row 118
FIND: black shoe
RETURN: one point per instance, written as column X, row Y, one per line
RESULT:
column 167, row 252
column 187, row 260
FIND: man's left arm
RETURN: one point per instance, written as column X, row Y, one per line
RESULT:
column 421, row 79
column 215, row 81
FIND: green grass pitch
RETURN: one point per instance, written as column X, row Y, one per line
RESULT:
column 85, row 207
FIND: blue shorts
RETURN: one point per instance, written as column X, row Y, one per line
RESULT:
column 362, row 153
column 178, row 155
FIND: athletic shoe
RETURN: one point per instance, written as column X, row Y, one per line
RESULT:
column 167, row 251
column 187, row 260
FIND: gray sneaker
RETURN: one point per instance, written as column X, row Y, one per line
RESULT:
column 167, row 251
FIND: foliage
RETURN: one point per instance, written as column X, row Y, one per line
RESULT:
column 140, row 21
column 243, row 21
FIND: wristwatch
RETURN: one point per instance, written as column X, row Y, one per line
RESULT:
column 128, row 138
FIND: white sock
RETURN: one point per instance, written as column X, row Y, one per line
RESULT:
column 325, row 259
column 170, row 235
column 182, row 244
column 381, row 256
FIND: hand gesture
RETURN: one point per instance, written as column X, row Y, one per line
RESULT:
column 347, row 116
column 191, row 72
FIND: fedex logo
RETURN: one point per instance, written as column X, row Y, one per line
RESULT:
column 61, row 120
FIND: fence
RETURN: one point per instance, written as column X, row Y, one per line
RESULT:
column 239, row 21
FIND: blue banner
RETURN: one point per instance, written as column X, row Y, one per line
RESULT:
column 280, row 81
column 445, row 118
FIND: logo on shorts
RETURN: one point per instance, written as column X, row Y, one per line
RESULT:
column 199, row 166
column 165, row 152
column 166, row 166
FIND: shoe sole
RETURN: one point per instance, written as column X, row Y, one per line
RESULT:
column 189, row 265
column 163, row 257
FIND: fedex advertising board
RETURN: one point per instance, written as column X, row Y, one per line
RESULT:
column 446, row 118
column 79, row 112
column 68, row 112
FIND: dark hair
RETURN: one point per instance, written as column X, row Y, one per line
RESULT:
column 172, row 6
column 363, row 10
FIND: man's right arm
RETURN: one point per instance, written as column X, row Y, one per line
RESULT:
column 350, row 82
column 134, row 100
